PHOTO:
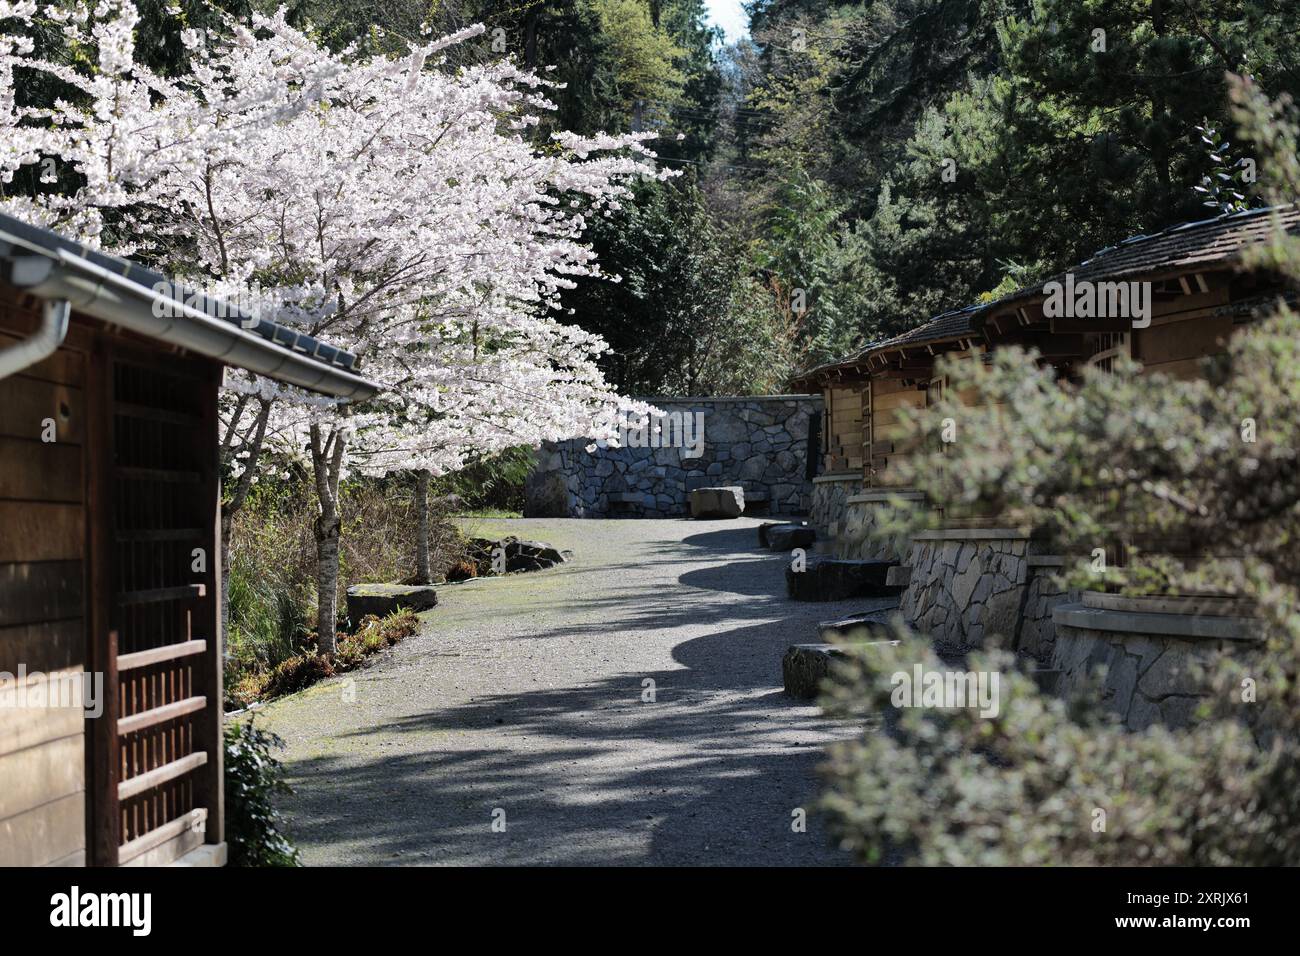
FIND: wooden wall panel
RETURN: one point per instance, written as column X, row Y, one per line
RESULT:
column 40, row 471
column 843, row 427
column 26, row 727
column 64, row 366
column 27, row 403
column 1166, row 348
column 45, row 646
column 42, row 612
column 887, row 447
column 41, row 531
column 43, row 591
column 38, row 775
column 51, row 833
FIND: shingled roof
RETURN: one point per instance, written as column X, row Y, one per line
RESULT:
column 944, row 327
column 1205, row 244
column 152, row 304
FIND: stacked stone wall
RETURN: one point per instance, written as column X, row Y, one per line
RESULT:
column 759, row 443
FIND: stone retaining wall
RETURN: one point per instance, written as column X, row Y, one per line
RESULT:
column 859, row 534
column 759, row 443
column 968, row 584
column 1148, row 659
column 830, row 501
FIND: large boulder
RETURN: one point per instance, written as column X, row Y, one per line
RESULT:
column 519, row 555
column 832, row 579
column 723, row 502
column 383, row 599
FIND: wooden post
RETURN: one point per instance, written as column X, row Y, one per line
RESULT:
column 103, row 764
column 209, row 789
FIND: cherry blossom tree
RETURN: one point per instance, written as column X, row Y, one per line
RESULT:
column 388, row 204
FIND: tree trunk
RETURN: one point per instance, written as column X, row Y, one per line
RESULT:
column 253, row 445
column 423, row 574
column 327, row 583
column 227, row 521
column 327, row 466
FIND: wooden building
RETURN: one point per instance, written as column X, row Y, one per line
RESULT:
column 110, row 663
column 868, row 390
column 1198, row 291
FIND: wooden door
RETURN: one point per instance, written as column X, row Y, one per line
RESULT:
column 155, row 581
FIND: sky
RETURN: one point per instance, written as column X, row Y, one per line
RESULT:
column 730, row 15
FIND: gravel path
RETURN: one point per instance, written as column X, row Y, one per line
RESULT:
column 522, row 697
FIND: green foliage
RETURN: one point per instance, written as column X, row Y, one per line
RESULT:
column 254, row 778
column 1225, row 187
column 643, row 57
column 493, row 483
column 1083, row 461
column 307, row 666
column 684, row 317
column 271, row 572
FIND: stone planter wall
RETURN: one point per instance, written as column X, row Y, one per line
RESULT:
column 1146, row 656
column 759, row 443
column 858, row 537
column 830, row 501
column 969, row 584
column 1043, row 595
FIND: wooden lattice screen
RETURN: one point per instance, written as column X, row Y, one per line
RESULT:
column 157, row 764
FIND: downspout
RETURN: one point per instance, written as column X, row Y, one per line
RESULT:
column 42, row 343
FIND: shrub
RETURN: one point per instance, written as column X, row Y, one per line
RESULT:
column 305, row 668
column 272, row 571
column 254, row 777
column 1087, row 460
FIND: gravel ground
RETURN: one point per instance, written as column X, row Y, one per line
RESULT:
column 521, row 701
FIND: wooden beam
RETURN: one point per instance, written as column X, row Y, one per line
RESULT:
column 134, row 786
column 157, row 655
column 102, row 809
column 1064, row 324
column 159, row 715
column 194, row 820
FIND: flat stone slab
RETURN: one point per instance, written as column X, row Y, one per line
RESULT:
column 834, row 579
column 1137, row 623
column 867, row 626
column 786, row 537
column 721, row 502
column 383, row 599
column 899, row 577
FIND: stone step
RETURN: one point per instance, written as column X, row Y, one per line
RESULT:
column 722, row 502
column 869, row 625
column 788, row 536
column 835, row 579
column 805, row 666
